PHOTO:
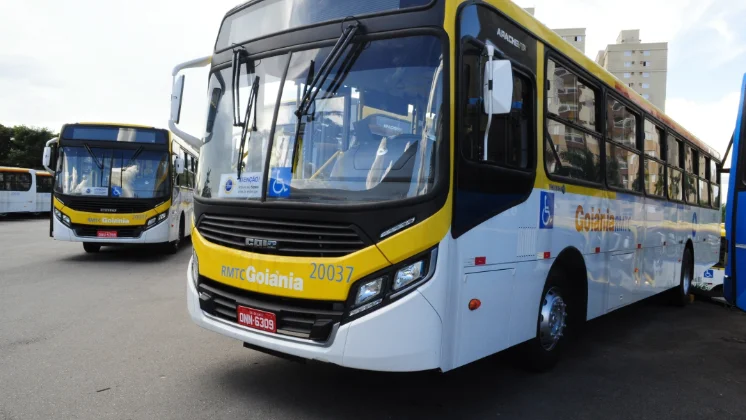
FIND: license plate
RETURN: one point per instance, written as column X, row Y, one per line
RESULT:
column 256, row 319
column 106, row 233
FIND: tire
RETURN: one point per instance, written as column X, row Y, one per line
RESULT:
column 542, row 352
column 91, row 248
column 680, row 295
column 173, row 246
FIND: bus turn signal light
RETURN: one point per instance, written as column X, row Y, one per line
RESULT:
column 474, row 304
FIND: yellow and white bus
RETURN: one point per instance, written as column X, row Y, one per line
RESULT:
column 121, row 184
column 520, row 191
column 24, row 190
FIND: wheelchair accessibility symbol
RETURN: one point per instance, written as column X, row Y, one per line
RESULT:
column 546, row 211
column 709, row 274
column 116, row 191
column 279, row 182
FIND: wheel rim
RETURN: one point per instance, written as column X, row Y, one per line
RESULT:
column 687, row 276
column 552, row 319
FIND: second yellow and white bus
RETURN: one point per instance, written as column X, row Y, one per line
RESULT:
column 121, row 184
column 24, row 190
column 451, row 179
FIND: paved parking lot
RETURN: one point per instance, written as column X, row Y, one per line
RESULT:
column 107, row 336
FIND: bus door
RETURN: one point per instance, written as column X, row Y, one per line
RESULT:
column 734, row 286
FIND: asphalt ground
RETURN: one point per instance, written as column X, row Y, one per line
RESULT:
column 107, row 336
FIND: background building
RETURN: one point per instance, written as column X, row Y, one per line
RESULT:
column 643, row 66
column 575, row 36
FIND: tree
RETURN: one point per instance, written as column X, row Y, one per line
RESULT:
column 6, row 133
column 23, row 146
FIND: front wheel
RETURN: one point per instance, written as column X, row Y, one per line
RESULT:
column 173, row 246
column 681, row 294
column 91, row 248
column 543, row 351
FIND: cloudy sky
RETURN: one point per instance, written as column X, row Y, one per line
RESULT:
column 94, row 60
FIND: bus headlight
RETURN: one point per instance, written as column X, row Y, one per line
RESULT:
column 368, row 295
column 62, row 217
column 390, row 284
column 156, row 220
column 195, row 267
column 409, row 274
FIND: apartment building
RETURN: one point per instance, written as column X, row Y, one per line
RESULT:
column 575, row 36
column 643, row 66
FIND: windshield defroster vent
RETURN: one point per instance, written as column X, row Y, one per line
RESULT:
column 280, row 237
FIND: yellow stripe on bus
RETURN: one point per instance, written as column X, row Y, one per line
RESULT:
column 110, row 219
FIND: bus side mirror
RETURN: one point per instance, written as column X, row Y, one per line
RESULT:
column 498, row 87
column 177, row 94
column 179, row 166
column 47, row 157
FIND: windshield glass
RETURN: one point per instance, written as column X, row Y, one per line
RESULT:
column 272, row 16
column 372, row 133
column 106, row 172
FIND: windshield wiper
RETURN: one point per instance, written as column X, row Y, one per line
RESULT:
column 251, row 105
column 135, row 155
column 240, row 54
column 93, row 155
column 312, row 90
column 314, row 82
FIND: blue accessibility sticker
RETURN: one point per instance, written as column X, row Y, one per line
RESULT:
column 279, row 182
column 116, row 191
column 546, row 210
column 709, row 274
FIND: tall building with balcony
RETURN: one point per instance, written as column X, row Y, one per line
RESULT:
column 642, row 66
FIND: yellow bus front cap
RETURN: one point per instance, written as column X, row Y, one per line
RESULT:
column 297, row 277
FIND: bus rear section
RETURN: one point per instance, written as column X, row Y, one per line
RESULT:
column 24, row 191
column 114, row 185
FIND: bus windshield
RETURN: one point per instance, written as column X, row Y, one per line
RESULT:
column 271, row 16
column 111, row 172
column 371, row 135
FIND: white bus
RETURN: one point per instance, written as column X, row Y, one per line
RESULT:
column 24, row 191
column 121, row 184
column 520, row 191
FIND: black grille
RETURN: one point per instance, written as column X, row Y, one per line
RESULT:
column 309, row 319
column 118, row 205
column 88, row 231
column 305, row 239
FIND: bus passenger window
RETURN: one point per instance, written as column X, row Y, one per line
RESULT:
column 571, row 132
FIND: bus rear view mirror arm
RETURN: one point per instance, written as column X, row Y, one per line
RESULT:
column 498, row 91
column 46, row 159
column 177, row 97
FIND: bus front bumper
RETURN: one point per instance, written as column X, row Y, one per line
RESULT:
column 154, row 235
column 401, row 337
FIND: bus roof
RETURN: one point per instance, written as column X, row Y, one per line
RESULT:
column 116, row 124
column 553, row 39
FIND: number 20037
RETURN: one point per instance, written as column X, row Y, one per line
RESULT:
column 331, row 272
